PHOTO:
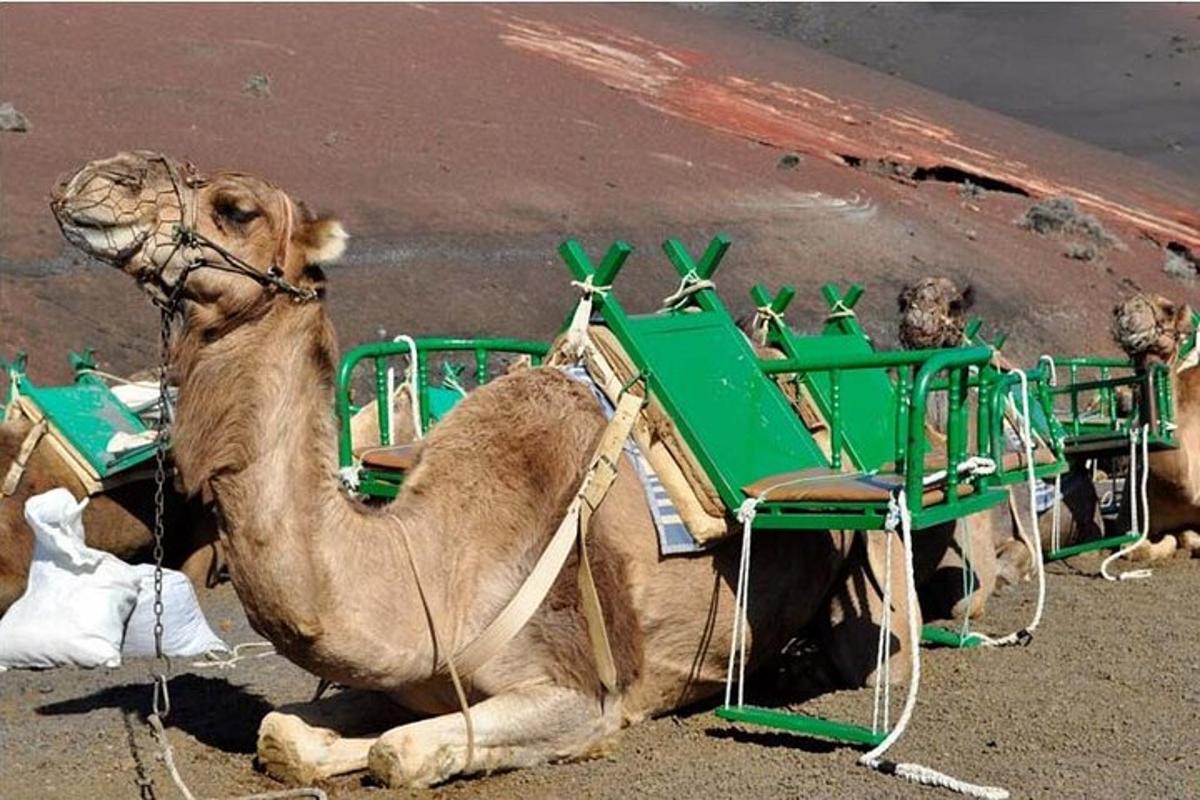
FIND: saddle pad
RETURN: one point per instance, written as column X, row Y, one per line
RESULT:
column 673, row 535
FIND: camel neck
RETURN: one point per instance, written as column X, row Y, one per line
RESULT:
column 255, row 435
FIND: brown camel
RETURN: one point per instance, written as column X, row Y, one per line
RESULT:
column 334, row 584
column 1150, row 329
column 119, row 521
column 933, row 313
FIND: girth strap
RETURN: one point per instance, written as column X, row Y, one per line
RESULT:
column 17, row 469
column 573, row 530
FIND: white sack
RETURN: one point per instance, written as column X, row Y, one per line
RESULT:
column 78, row 599
column 185, row 631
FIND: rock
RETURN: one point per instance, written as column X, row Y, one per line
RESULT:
column 12, row 120
column 789, row 161
column 257, row 86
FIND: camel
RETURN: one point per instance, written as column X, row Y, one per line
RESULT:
column 933, row 314
column 1150, row 329
column 119, row 521
column 354, row 593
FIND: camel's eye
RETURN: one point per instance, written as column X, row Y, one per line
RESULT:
column 235, row 211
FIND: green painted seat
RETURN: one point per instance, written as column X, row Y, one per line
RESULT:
column 742, row 428
column 86, row 415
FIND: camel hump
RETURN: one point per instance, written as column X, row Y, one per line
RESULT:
column 536, row 425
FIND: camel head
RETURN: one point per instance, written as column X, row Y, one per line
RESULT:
column 1150, row 328
column 220, row 240
column 933, row 313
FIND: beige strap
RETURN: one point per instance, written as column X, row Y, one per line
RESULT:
column 596, row 482
column 437, row 646
column 17, row 468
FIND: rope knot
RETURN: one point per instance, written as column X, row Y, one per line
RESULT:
column 763, row 317
column 587, row 288
column 839, row 310
column 748, row 510
column 689, row 284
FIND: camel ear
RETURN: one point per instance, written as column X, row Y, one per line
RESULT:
column 967, row 298
column 1183, row 319
column 322, row 240
column 904, row 300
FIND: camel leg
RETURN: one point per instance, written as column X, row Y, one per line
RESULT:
column 305, row 742
column 523, row 728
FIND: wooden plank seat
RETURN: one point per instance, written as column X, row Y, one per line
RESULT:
column 393, row 458
column 827, row 485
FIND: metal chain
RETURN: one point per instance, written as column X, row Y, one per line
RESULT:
column 162, row 698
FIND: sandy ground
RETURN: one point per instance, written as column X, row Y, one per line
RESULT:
column 1103, row 704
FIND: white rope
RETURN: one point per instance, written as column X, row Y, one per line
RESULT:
column 1144, row 530
column 737, row 643
column 763, row 317
column 883, row 663
column 839, row 310
column 349, row 476
column 1056, row 515
column 689, row 284
column 414, row 395
column 241, row 652
column 916, row 773
column 168, row 758
column 576, row 338
column 1035, row 547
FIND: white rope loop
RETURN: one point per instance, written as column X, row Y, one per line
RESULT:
column 575, row 340
column 689, row 284
column 763, row 317
column 1035, row 547
column 916, row 773
column 746, row 513
column 414, row 395
column 1144, row 529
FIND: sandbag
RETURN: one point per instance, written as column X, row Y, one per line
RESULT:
column 78, row 599
column 185, row 631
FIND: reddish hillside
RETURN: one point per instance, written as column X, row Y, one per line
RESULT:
column 460, row 144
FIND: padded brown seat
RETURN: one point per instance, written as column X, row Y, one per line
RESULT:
column 827, row 485
column 397, row 458
column 1041, row 455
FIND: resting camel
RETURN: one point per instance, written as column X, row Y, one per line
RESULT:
column 334, row 584
column 933, row 313
column 119, row 521
column 1150, row 329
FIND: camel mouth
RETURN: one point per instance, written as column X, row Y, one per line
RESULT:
column 112, row 244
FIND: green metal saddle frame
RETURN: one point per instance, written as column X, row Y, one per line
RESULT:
column 84, row 415
column 741, row 426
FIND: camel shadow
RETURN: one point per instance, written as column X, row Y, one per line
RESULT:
column 212, row 710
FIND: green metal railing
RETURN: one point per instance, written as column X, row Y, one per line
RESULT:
column 380, row 483
column 1092, row 417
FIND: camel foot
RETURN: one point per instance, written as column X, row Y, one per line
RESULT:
column 521, row 729
column 1189, row 542
column 1013, row 564
column 305, row 742
column 1153, row 551
column 294, row 752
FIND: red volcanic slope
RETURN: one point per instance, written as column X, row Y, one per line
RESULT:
column 460, row 143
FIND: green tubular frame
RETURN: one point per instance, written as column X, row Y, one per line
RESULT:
column 380, row 483
column 800, row 515
column 993, row 386
column 909, row 436
column 1108, row 432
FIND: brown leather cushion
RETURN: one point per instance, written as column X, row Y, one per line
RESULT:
column 824, row 484
column 1041, row 455
column 399, row 458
